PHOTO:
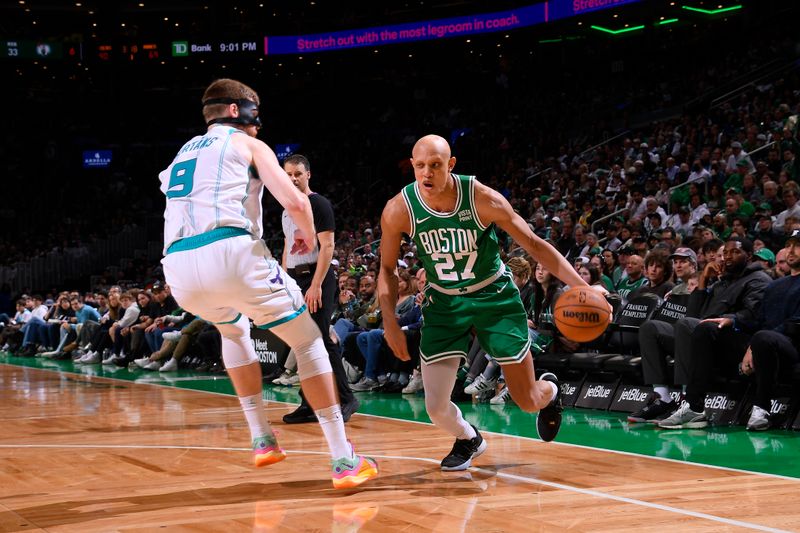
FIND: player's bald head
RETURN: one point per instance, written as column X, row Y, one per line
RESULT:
column 429, row 145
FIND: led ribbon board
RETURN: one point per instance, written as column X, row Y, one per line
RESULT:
column 436, row 29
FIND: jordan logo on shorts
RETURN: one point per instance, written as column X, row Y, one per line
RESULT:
column 277, row 279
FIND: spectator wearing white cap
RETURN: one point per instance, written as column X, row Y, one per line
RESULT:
column 652, row 208
column 554, row 231
column 410, row 259
column 738, row 154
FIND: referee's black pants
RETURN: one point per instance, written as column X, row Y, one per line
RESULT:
column 323, row 319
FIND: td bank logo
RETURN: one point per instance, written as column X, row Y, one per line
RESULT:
column 180, row 48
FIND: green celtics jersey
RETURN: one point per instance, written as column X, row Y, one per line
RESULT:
column 459, row 254
column 626, row 286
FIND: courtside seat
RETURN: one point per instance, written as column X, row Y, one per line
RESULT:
column 589, row 361
column 552, row 361
column 625, row 365
column 623, row 333
column 584, row 361
column 669, row 311
column 673, row 309
column 616, row 304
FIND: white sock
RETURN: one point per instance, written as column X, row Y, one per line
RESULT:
column 469, row 433
column 662, row 391
column 253, row 408
column 553, row 386
column 332, row 424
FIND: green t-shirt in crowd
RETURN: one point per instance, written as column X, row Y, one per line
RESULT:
column 626, row 286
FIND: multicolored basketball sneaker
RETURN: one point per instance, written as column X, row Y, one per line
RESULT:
column 266, row 451
column 350, row 472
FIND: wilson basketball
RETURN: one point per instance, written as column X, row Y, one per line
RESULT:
column 582, row 314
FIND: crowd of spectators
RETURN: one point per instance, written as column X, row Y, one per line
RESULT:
column 645, row 213
column 118, row 327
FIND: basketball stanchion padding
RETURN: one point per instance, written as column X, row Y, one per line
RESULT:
column 582, row 314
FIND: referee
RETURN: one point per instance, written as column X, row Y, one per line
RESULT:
column 312, row 272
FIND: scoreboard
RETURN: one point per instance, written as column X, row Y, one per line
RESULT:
column 129, row 51
column 152, row 50
column 117, row 50
column 23, row 49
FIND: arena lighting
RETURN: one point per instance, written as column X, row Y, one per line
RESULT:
column 546, row 41
column 617, row 32
column 668, row 21
column 520, row 17
column 712, row 11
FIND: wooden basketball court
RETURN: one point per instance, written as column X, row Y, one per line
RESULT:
column 92, row 454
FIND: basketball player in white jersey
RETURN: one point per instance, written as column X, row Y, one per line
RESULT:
column 221, row 270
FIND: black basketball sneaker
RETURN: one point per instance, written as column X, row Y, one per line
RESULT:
column 463, row 452
column 549, row 420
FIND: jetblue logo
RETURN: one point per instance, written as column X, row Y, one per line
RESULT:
column 567, row 389
column 720, row 402
column 778, row 407
column 633, row 395
column 597, row 391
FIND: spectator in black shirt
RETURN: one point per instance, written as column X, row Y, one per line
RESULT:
column 166, row 305
column 772, row 351
column 148, row 312
column 565, row 242
column 765, row 232
column 658, row 271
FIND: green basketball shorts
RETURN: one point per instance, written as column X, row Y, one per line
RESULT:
column 495, row 312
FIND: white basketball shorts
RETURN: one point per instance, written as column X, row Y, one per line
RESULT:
column 231, row 277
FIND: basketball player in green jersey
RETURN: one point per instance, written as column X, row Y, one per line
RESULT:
column 451, row 219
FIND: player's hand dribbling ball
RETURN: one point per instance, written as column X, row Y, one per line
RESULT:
column 582, row 314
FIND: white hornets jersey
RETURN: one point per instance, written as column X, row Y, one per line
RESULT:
column 210, row 185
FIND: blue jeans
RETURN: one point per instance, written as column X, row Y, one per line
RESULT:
column 53, row 334
column 370, row 342
column 342, row 327
column 155, row 338
column 33, row 331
